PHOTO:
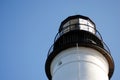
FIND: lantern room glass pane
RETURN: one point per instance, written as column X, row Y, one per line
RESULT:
column 67, row 29
column 66, row 24
column 90, row 24
column 84, row 27
column 91, row 30
column 79, row 23
column 74, row 21
column 82, row 21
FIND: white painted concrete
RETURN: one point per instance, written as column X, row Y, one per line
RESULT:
column 79, row 63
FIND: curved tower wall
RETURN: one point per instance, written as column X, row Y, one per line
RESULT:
column 79, row 63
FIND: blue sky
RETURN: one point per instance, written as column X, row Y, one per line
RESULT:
column 28, row 28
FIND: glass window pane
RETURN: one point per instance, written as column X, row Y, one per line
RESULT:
column 66, row 24
column 74, row 21
column 84, row 27
column 72, row 27
column 91, row 30
column 66, row 30
column 90, row 24
column 82, row 21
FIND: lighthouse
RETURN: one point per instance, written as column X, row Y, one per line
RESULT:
column 79, row 52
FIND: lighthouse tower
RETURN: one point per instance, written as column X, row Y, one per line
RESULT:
column 78, row 52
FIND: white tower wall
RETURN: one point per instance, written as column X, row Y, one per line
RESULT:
column 79, row 63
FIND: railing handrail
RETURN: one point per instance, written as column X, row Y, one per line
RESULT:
column 105, row 47
column 61, row 32
column 97, row 34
